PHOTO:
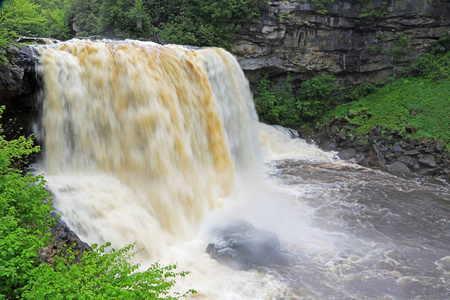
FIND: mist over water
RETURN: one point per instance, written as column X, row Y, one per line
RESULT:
column 158, row 145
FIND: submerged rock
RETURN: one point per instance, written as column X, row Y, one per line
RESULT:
column 291, row 132
column 242, row 246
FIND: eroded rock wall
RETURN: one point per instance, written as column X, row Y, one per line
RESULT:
column 360, row 41
column 19, row 88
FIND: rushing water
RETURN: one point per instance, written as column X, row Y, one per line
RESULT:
column 157, row 145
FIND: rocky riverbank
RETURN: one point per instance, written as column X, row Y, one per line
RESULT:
column 385, row 150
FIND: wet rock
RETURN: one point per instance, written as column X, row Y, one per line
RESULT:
column 291, row 132
column 410, row 129
column 37, row 40
column 376, row 131
column 242, row 246
column 328, row 146
column 431, row 148
column 363, row 148
column 429, row 171
column 63, row 242
column 440, row 146
column 341, row 136
column 405, row 159
column 428, row 160
column 389, row 156
column 359, row 157
column 412, row 152
column 398, row 148
column 376, row 157
column 398, row 168
column 415, row 164
column 347, row 154
column 19, row 90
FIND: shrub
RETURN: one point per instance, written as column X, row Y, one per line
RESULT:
column 275, row 103
column 434, row 64
column 316, row 96
column 102, row 275
column 24, row 217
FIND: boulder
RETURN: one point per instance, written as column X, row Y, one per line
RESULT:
column 347, row 154
column 376, row 157
column 405, row 159
column 398, row 168
column 429, row 171
column 428, row 161
column 291, row 132
column 242, row 246
column 440, row 146
column 398, row 148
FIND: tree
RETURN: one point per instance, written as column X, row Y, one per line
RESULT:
column 22, row 17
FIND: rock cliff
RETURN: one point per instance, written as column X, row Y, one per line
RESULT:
column 357, row 40
column 19, row 87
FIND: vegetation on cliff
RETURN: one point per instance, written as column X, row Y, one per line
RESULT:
column 416, row 105
column 25, row 222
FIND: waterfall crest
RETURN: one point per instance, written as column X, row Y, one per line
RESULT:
column 167, row 129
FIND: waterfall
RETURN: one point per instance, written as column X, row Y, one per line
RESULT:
column 141, row 140
column 159, row 145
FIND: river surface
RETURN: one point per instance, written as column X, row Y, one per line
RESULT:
column 159, row 145
column 376, row 236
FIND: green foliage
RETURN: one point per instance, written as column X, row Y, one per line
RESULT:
column 56, row 14
column 370, row 12
column 85, row 14
column 102, row 275
column 193, row 22
column 317, row 95
column 207, row 22
column 275, row 103
column 24, row 217
column 186, row 31
column 320, row 5
column 435, row 64
column 21, row 17
column 18, row 17
column 359, row 92
column 423, row 104
column 32, row 18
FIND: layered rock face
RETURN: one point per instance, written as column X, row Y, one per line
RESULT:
column 360, row 41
